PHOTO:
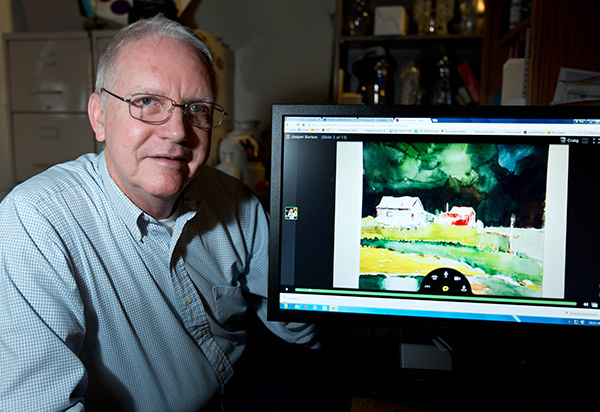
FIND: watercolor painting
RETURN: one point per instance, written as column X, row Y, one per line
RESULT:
column 478, row 209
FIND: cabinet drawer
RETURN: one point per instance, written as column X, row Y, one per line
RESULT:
column 49, row 75
column 42, row 140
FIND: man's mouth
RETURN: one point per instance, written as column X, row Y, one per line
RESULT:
column 175, row 159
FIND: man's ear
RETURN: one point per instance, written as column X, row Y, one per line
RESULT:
column 96, row 116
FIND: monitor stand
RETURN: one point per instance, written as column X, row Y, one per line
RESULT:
column 434, row 356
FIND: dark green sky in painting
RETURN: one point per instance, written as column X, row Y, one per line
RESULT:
column 496, row 180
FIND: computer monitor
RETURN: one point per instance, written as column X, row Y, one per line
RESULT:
column 444, row 213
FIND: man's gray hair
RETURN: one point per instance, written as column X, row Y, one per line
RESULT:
column 155, row 27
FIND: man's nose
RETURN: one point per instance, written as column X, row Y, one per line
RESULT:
column 176, row 125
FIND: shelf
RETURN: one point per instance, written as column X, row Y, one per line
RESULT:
column 402, row 49
column 412, row 41
column 554, row 37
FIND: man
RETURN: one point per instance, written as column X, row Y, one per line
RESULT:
column 125, row 276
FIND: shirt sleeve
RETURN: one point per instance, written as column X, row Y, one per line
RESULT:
column 41, row 315
column 301, row 333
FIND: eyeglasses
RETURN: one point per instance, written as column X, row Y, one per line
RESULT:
column 156, row 109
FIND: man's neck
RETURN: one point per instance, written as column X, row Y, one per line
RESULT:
column 159, row 208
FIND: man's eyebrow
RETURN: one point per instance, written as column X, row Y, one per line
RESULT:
column 208, row 99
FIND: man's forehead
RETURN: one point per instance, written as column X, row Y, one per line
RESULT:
column 148, row 65
column 158, row 44
column 171, row 51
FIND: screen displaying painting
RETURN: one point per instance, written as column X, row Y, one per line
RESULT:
column 478, row 214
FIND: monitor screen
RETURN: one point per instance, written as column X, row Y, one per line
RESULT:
column 465, row 213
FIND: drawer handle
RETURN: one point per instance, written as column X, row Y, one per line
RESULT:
column 47, row 59
column 49, row 133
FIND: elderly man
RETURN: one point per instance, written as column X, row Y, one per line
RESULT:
column 124, row 276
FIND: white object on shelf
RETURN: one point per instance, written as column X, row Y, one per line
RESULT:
column 351, row 98
column 513, row 75
column 391, row 20
column 229, row 167
column 576, row 86
column 234, row 144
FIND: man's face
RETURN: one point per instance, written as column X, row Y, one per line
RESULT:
column 154, row 162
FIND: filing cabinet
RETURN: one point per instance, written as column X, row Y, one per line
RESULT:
column 49, row 78
column 100, row 39
column 43, row 140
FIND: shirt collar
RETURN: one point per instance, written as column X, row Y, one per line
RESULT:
column 133, row 217
column 129, row 213
column 192, row 198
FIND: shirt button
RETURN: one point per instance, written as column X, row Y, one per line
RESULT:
column 221, row 367
column 199, row 335
column 189, row 300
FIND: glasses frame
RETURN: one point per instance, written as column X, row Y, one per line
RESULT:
column 216, row 107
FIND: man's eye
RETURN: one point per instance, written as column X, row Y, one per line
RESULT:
column 198, row 108
column 144, row 101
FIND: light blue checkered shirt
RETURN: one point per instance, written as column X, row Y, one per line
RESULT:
column 99, row 302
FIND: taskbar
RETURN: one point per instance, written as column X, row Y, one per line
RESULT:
column 568, row 313
column 440, row 315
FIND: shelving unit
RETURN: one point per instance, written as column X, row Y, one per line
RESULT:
column 349, row 49
column 555, row 34
column 561, row 34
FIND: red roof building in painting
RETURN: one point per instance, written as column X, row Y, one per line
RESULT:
column 458, row 216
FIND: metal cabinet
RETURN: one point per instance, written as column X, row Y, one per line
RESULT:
column 49, row 80
column 43, row 140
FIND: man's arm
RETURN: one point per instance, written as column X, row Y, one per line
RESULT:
column 41, row 316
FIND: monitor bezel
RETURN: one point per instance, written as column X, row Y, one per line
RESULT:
column 422, row 323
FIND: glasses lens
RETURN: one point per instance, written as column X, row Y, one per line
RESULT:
column 203, row 114
column 150, row 107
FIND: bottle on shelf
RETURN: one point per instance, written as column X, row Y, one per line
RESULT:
column 228, row 166
column 375, row 72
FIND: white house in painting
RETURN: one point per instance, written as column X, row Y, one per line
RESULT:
column 403, row 211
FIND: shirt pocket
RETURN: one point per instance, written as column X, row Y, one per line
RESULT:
column 229, row 303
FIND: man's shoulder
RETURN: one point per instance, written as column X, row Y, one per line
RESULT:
column 214, row 182
column 70, row 181
column 222, row 195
